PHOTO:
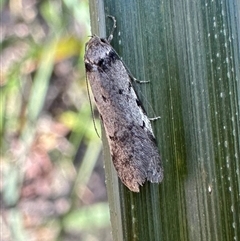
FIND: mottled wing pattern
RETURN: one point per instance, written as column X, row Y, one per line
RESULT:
column 130, row 136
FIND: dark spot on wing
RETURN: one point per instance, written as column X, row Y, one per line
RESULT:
column 106, row 62
column 104, row 98
column 130, row 156
column 104, row 40
column 112, row 55
column 88, row 67
column 129, row 127
column 112, row 138
column 138, row 102
column 103, row 64
column 112, row 157
column 120, row 91
column 143, row 125
column 95, row 99
column 100, row 62
column 129, row 86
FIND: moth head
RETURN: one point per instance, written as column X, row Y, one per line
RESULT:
column 96, row 49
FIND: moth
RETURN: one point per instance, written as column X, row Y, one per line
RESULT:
column 131, row 140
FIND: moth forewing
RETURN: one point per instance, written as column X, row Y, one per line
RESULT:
column 128, row 129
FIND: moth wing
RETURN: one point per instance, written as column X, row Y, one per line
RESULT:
column 132, row 144
column 135, row 157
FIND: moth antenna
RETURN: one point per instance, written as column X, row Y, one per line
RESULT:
column 113, row 28
column 91, row 107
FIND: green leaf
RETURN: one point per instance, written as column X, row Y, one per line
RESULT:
column 189, row 50
column 88, row 218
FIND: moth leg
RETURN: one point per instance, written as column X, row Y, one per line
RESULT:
column 110, row 39
column 154, row 118
column 113, row 28
column 139, row 81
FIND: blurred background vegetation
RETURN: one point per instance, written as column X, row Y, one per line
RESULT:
column 52, row 178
